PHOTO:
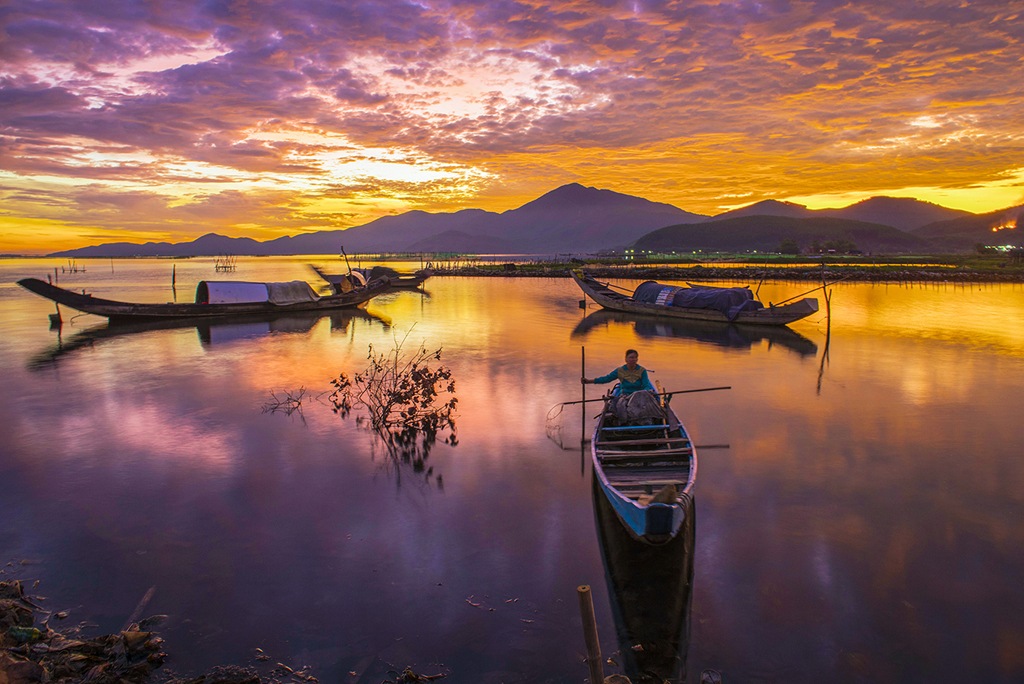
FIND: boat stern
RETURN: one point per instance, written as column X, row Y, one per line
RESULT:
column 659, row 520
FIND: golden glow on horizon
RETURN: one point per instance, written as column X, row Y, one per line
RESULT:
column 154, row 126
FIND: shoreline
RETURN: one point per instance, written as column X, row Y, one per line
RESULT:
column 830, row 274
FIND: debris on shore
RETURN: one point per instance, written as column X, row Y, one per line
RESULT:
column 34, row 653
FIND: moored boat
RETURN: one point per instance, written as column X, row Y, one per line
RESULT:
column 703, row 303
column 364, row 275
column 647, row 471
column 213, row 299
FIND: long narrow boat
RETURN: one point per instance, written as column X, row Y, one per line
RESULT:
column 213, row 299
column 769, row 315
column 647, row 472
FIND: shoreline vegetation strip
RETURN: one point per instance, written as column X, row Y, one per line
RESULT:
column 831, row 273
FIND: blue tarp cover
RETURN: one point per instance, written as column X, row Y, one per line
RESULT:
column 731, row 301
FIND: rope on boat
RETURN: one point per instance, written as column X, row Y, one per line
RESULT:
column 820, row 287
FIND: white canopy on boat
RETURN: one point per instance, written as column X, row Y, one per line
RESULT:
column 238, row 292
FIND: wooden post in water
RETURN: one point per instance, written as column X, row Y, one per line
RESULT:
column 583, row 411
column 590, row 634
column 173, row 274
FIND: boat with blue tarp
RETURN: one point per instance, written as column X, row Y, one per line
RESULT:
column 695, row 302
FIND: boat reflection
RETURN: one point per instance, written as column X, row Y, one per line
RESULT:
column 732, row 335
column 649, row 588
column 211, row 332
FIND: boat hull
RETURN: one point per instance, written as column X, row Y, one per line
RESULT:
column 126, row 311
column 771, row 315
column 632, row 469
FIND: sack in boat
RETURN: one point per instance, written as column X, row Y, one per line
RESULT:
column 638, row 408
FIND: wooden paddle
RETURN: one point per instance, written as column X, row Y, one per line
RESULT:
column 661, row 394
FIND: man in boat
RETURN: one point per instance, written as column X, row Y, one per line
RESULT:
column 637, row 400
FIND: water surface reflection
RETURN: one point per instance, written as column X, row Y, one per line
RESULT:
column 862, row 529
column 649, row 588
column 210, row 332
column 722, row 334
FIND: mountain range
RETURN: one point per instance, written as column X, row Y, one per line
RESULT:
column 578, row 219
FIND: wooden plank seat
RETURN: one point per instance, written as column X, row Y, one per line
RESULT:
column 652, row 485
column 653, row 441
column 638, row 471
column 626, row 428
column 610, row 457
column 656, row 482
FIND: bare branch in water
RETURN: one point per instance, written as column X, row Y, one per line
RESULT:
column 409, row 402
column 290, row 403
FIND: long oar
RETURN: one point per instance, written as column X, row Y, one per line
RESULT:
column 660, row 394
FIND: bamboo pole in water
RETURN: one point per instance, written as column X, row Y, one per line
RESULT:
column 590, row 634
column 583, row 412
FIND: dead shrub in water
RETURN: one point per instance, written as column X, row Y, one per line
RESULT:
column 289, row 404
column 409, row 402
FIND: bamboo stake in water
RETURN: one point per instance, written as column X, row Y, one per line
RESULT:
column 590, row 634
column 583, row 412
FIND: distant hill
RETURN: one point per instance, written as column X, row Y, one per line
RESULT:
column 574, row 218
column 394, row 233
column 457, row 242
column 578, row 219
column 905, row 213
column 764, row 233
column 768, row 208
column 1003, row 227
column 209, row 244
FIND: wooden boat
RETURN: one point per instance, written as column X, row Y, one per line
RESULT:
column 718, row 333
column 213, row 299
column 361, row 275
column 647, row 472
column 650, row 592
column 770, row 315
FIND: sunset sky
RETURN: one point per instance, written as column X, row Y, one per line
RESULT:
column 162, row 121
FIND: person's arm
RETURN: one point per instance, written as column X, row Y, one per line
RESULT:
column 614, row 375
column 646, row 382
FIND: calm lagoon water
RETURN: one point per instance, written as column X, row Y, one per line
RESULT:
column 863, row 525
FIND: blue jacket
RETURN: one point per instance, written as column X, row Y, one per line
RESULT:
column 629, row 381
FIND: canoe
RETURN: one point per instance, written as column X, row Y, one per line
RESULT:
column 650, row 593
column 769, row 315
column 239, row 299
column 647, row 472
column 398, row 280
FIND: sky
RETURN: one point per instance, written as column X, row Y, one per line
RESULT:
column 164, row 120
